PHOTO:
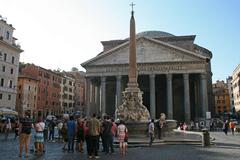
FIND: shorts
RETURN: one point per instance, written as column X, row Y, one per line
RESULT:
column 39, row 137
column 25, row 138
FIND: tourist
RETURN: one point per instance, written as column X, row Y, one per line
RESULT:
column 39, row 137
column 151, row 132
column 51, row 127
column 162, row 121
column 94, row 132
column 71, row 126
column 59, row 126
column 101, row 134
column 26, row 125
column 232, row 127
column 122, row 135
column 8, row 128
column 192, row 125
column 184, row 126
column 17, row 125
column 64, row 134
column 87, row 137
column 107, row 134
column 225, row 127
column 80, row 134
column 114, row 133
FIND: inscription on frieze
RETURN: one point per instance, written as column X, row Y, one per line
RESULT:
column 159, row 68
column 147, row 68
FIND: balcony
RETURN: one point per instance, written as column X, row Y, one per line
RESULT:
column 14, row 44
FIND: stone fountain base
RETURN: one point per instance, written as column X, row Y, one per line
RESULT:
column 137, row 129
column 134, row 114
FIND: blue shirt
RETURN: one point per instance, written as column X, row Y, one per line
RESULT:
column 71, row 127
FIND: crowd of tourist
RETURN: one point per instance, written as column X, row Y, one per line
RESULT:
column 77, row 132
column 73, row 132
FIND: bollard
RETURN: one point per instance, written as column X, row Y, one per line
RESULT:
column 205, row 138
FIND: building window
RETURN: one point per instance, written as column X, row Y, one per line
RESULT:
column 3, row 68
column 5, row 57
column 9, row 97
column 1, row 95
column 2, row 82
column 7, row 35
column 13, row 59
column 10, row 84
column 11, row 71
column 29, row 88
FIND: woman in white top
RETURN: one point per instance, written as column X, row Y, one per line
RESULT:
column 122, row 136
column 39, row 137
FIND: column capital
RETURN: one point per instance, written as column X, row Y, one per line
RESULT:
column 185, row 76
column 169, row 76
column 152, row 75
column 203, row 75
column 118, row 77
column 103, row 79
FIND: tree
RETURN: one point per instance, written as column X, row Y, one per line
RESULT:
column 74, row 69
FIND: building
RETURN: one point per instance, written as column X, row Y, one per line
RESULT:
column 48, row 97
column 236, row 87
column 67, row 93
column 79, row 91
column 9, row 64
column 230, row 91
column 27, row 90
column 221, row 97
column 173, row 73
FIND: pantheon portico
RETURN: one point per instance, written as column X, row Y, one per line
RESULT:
column 173, row 73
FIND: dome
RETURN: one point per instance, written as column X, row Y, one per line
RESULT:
column 154, row 34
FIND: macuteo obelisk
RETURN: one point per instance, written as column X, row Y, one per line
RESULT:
column 132, row 111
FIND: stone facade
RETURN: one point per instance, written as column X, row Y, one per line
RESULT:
column 9, row 64
column 79, row 90
column 221, row 97
column 236, row 87
column 230, row 91
column 48, row 97
column 27, row 95
column 67, row 94
column 173, row 73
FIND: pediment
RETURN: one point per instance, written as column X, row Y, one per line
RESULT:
column 148, row 51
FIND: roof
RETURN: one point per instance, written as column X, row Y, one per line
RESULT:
column 154, row 34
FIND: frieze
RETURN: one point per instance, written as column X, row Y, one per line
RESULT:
column 148, row 68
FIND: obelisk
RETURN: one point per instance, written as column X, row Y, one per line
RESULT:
column 132, row 75
column 132, row 111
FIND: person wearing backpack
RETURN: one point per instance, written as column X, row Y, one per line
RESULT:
column 107, row 134
column 80, row 134
column 26, row 124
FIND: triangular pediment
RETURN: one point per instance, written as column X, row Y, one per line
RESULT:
column 148, row 51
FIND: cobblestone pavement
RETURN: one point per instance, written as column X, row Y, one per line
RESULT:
column 225, row 147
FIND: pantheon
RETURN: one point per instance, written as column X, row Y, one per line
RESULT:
column 174, row 74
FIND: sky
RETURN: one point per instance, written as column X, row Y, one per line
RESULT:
column 61, row 34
